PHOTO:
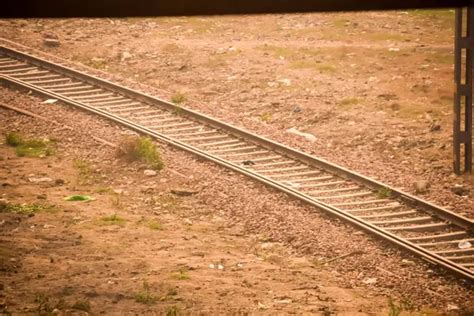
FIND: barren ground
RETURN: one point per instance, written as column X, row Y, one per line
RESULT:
column 374, row 88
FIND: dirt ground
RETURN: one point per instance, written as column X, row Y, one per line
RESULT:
column 374, row 88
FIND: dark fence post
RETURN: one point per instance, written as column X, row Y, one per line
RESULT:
column 462, row 124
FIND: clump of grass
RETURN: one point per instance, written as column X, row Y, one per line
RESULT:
column 14, row 139
column 141, row 149
column 266, row 117
column 154, row 225
column 82, row 305
column 178, row 98
column 349, row 101
column 24, row 209
column 86, row 172
column 384, row 193
column 181, row 275
column 145, row 296
column 28, row 147
column 172, row 311
column 33, row 149
column 113, row 219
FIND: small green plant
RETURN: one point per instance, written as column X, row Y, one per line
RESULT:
column 116, row 200
column 85, row 170
column 113, row 219
column 145, row 296
column 82, row 305
column 14, row 139
column 266, row 117
column 28, row 147
column 384, row 193
column 172, row 311
column 349, row 101
column 178, row 98
column 393, row 308
column 154, row 225
column 79, row 197
column 141, row 149
column 181, row 275
column 24, row 209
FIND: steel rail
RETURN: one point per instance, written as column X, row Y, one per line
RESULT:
column 253, row 138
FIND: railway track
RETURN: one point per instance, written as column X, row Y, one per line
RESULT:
column 437, row 235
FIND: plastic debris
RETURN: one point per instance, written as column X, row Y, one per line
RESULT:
column 464, row 244
column 212, row 266
column 220, row 267
column 50, row 101
column 309, row 137
column 39, row 180
column 370, row 281
column 78, row 197
column 150, row 173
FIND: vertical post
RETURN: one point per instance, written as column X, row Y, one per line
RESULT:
column 462, row 124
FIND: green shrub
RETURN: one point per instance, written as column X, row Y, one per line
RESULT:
column 141, row 149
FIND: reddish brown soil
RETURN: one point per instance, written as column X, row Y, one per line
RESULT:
column 369, row 86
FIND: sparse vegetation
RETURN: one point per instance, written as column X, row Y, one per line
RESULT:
column 82, row 305
column 113, row 219
column 178, row 98
column 182, row 274
column 28, row 147
column 86, row 172
column 349, row 101
column 154, row 225
column 266, row 117
column 145, row 296
column 172, row 311
column 25, row 209
column 384, row 193
column 141, row 149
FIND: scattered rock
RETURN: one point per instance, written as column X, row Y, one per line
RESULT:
column 188, row 221
column 182, row 192
column 150, row 173
column 370, row 281
column 421, row 186
column 51, row 42
column 464, row 244
column 126, row 56
column 309, row 137
column 296, row 109
column 435, row 127
column 460, row 190
column 40, row 180
column 59, row 182
column 41, row 197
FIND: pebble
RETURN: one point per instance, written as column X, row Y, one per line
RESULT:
column 421, row 186
column 460, row 190
column 51, row 42
column 150, row 173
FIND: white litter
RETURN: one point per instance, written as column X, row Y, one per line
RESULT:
column 464, row 244
column 50, row 101
column 309, row 137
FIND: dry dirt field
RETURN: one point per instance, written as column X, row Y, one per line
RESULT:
column 375, row 89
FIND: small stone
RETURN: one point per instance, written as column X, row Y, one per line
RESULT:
column 188, row 221
column 39, row 180
column 421, row 186
column 406, row 262
column 150, row 173
column 51, row 42
column 59, row 182
column 435, row 127
column 460, row 190
column 182, row 192
column 126, row 56
column 370, row 281
column 41, row 197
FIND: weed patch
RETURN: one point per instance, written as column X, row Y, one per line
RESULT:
column 145, row 296
column 141, row 149
column 154, row 225
column 181, row 275
column 113, row 219
column 85, row 170
column 178, row 98
column 28, row 147
column 24, row 209
column 384, row 193
column 349, row 101
column 82, row 305
column 172, row 311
